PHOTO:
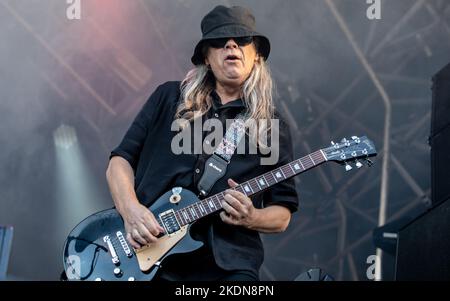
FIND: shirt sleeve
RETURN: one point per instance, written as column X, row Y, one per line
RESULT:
column 284, row 193
column 132, row 143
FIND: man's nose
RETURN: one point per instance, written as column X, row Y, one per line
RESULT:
column 231, row 44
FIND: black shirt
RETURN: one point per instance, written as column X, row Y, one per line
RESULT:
column 147, row 147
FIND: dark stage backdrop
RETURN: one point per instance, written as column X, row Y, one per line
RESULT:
column 70, row 88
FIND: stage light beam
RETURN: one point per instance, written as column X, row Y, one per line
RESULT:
column 77, row 195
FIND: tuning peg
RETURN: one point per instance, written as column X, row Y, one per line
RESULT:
column 332, row 143
column 356, row 139
column 358, row 164
column 348, row 167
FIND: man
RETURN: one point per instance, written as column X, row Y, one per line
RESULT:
column 230, row 77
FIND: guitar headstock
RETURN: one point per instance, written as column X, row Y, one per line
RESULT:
column 351, row 150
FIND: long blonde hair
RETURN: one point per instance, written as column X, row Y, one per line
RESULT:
column 257, row 95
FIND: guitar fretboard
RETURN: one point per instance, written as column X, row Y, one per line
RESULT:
column 213, row 203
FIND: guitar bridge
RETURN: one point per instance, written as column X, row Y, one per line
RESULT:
column 112, row 251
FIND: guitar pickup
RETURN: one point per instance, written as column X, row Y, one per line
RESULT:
column 169, row 221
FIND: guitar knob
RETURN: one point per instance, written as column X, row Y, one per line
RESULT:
column 131, row 279
column 98, row 279
column 118, row 272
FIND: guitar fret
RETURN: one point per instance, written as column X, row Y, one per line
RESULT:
column 185, row 221
column 320, row 156
column 296, row 167
column 283, row 173
column 272, row 181
column 180, row 218
column 202, row 208
column 286, row 171
column 221, row 199
column 323, row 155
column 240, row 189
column 306, row 163
column 273, row 177
column 192, row 211
column 186, row 215
column 217, row 202
column 197, row 210
column 315, row 157
column 206, row 206
column 259, row 187
column 182, row 213
column 267, row 182
column 293, row 172
column 253, row 185
column 278, row 175
column 211, row 205
column 262, row 182
column 247, row 187
column 301, row 164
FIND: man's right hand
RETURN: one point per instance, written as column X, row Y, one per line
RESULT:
column 140, row 225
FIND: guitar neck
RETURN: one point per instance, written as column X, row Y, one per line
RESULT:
column 213, row 203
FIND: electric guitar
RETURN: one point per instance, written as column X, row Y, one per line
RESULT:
column 96, row 248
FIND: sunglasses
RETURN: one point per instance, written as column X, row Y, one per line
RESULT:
column 220, row 43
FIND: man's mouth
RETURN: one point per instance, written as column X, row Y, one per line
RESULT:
column 232, row 58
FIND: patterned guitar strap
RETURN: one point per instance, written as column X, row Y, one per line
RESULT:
column 216, row 165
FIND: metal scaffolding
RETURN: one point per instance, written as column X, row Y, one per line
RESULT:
column 405, row 141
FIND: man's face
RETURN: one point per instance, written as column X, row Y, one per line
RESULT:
column 232, row 64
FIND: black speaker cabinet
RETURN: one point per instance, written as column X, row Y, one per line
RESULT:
column 423, row 246
column 441, row 101
column 440, row 137
column 440, row 166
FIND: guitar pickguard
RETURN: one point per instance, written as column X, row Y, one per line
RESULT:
column 149, row 255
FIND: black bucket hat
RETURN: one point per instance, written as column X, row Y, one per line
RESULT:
column 229, row 22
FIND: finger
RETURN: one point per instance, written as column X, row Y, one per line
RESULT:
column 232, row 183
column 156, row 228
column 156, row 224
column 227, row 219
column 143, row 231
column 132, row 242
column 137, row 237
column 235, row 203
column 242, row 198
column 150, row 225
column 231, row 211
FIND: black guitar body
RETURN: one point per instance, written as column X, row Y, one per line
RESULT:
column 87, row 250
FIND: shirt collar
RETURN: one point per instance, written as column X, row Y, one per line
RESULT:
column 217, row 102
